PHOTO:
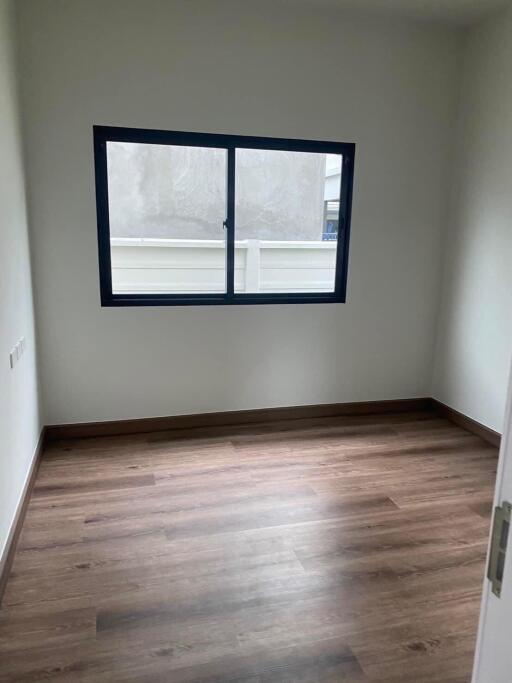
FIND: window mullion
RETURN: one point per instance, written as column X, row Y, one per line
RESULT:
column 230, row 225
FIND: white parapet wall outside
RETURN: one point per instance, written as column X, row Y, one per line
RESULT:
column 141, row 265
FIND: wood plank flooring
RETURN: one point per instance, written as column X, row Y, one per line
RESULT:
column 312, row 551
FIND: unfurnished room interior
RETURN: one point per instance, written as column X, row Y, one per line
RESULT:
column 255, row 336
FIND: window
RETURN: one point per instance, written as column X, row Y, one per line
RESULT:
column 198, row 218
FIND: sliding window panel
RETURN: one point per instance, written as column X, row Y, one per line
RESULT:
column 287, row 215
column 167, row 206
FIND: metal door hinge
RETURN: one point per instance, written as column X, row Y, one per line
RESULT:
column 500, row 528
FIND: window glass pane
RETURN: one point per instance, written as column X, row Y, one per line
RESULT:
column 167, row 204
column 286, row 217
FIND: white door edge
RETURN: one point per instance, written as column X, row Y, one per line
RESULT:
column 486, row 593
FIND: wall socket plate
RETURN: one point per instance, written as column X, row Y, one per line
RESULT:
column 17, row 351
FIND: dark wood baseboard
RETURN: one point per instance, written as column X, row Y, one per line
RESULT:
column 240, row 417
column 235, row 417
column 12, row 540
column 467, row 423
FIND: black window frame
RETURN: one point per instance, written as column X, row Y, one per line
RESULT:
column 104, row 134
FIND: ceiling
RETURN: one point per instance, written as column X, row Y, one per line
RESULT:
column 451, row 12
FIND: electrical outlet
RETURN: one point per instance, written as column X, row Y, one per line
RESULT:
column 17, row 352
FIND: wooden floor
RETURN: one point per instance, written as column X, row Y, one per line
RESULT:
column 328, row 550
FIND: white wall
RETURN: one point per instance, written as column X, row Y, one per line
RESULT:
column 475, row 324
column 19, row 412
column 264, row 68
